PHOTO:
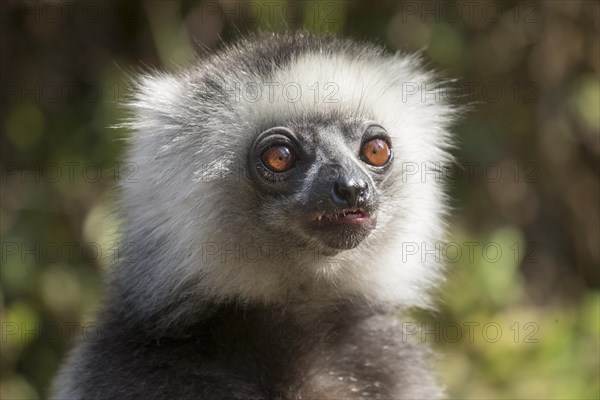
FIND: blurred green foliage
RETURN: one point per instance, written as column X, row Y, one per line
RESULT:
column 520, row 317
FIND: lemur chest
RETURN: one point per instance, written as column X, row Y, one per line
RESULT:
column 351, row 359
column 344, row 370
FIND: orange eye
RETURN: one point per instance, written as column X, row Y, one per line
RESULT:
column 376, row 152
column 278, row 158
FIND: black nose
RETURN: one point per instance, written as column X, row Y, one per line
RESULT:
column 350, row 192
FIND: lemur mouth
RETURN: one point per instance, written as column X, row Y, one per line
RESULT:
column 346, row 216
column 342, row 229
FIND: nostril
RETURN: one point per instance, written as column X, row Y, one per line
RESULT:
column 358, row 187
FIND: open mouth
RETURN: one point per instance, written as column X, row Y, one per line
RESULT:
column 350, row 216
column 341, row 229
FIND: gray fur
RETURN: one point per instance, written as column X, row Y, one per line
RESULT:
column 227, row 294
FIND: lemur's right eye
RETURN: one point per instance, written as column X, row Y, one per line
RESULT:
column 278, row 158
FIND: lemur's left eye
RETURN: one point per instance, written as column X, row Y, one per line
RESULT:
column 278, row 158
column 376, row 152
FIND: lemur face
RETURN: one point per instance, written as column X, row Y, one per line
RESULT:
column 326, row 173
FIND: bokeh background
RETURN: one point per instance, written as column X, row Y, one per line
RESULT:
column 520, row 312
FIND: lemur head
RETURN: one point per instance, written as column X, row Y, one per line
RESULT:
column 289, row 161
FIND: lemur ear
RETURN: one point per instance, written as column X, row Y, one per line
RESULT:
column 155, row 100
column 429, row 94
